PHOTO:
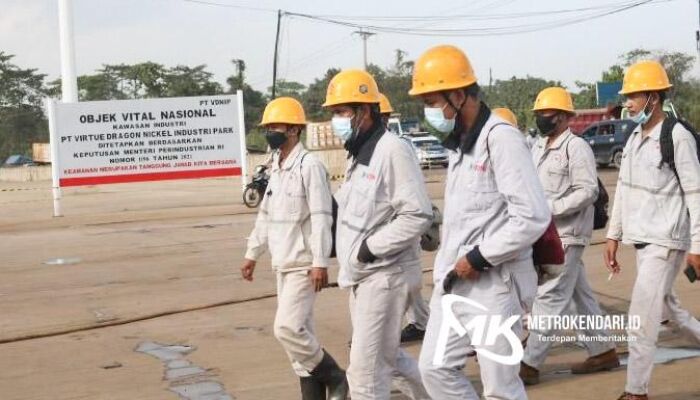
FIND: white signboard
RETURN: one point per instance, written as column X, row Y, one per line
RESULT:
column 145, row 140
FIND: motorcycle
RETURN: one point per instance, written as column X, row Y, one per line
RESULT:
column 255, row 190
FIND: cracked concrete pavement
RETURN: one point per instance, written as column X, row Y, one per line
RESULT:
column 158, row 263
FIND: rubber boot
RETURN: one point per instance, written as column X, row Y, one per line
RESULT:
column 312, row 389
column 330, row 374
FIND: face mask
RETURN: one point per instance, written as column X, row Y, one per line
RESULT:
column 546, row 125
column 643, row 116
column 436, row 118
column 275, row 139
column 342, row 127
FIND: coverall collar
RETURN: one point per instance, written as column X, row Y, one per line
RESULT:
column 465, row 141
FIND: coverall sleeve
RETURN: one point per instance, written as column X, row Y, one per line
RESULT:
column 688, row 168
column 257, row 241
column 318, row 192
column 517, row 181
column 409, row 199
column 584, row 180
column 615, row 224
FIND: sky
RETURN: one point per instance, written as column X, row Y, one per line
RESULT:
column 175, row 32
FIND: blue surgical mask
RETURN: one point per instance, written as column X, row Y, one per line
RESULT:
column 342, row 127
column 436, row 118
column 643, row 116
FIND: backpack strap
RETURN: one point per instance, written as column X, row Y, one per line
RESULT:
column 488, row 150
column 668, row 155
column 301, row 174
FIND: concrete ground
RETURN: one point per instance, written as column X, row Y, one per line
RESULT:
column 135, row 294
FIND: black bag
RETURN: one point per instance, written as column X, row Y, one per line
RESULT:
column 668, row 155
column 600, row 207
column 334, row 212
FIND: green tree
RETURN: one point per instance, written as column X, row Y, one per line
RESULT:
column 288, row 89
column 517, row 94
column 315, row 96
column 22, row 120
column 395, row 82
column 254, row 100
column 189, row 81
column 100, row 86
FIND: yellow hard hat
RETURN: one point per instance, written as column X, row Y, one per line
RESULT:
column 507, row 115
column 351, row 86
column 441, row 68
column 645, row 76
column 554, row 98
column 284, row 110
column 384, row 104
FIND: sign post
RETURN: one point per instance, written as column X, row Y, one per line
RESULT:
column 69, row 88
column 55, row 159
column 101, row 142
column 244, row 148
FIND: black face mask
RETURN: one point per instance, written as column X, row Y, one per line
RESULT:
column 546, row 125
column 275, row 139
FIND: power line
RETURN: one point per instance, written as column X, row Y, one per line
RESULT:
column 473, row 16
column 480, row 31
column 229, row 5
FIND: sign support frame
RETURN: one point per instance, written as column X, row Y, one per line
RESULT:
column 55, row 158
column 244, row 149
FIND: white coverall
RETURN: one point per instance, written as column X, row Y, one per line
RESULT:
column 294, row 223
column 662, row 219
column 495, row 209
column 567, row 170
column 418, row 311
column 384, row 204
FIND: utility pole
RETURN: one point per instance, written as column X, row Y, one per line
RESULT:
column 274, row 65
column 364, row 34
column 240, row 69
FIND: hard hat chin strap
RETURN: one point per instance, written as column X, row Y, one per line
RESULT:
column 447, row 99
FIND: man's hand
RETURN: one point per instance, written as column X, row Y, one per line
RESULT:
column 319, row 278
column 464, row 270
column 247, row 270
column 610, row 256
column 694, row 261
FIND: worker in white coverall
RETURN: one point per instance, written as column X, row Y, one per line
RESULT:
column 508, row 116
column 383, row 209
column 567, row 169
column 417, row 314
column 294, row 223
column 658, row 212
column 495, row 209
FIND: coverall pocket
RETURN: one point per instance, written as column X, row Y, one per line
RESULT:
column 657, row 175
column 361, row 201
column 296, row 196
column 557, row 179
column 483, row 194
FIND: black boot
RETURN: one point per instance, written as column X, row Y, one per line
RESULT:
column 312, row 389
column 329, row 373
